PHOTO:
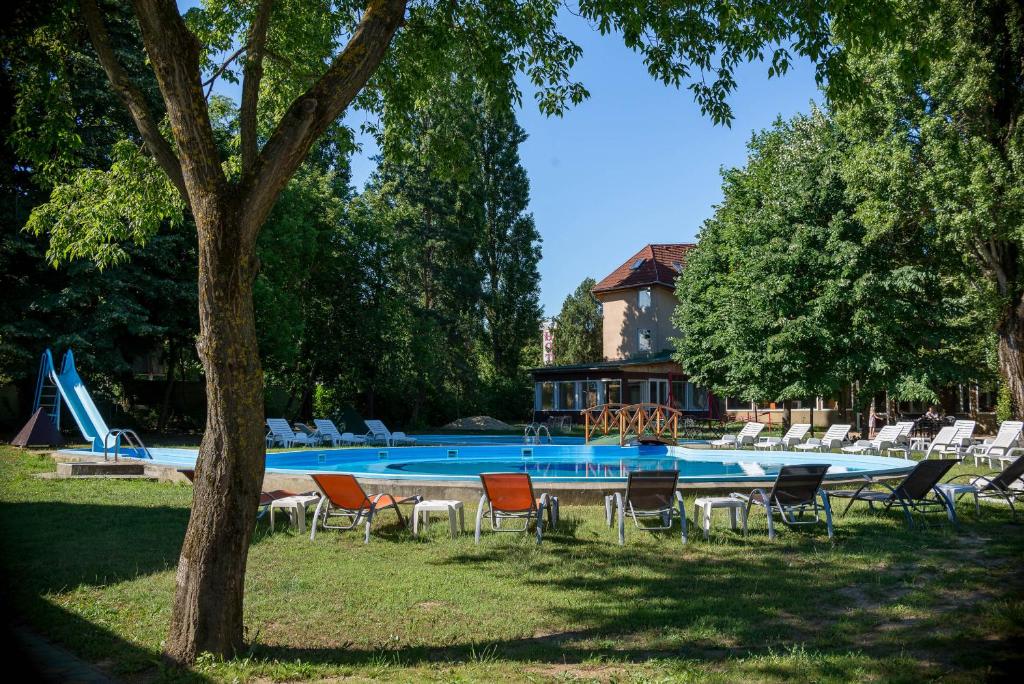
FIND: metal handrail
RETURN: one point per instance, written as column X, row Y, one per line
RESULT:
column 134, row 441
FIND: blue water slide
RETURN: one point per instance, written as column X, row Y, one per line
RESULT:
column 79, row 402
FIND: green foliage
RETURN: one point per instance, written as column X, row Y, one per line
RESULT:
column 937, row 153
column 578, row 327
column 788, row 296
column 95, row 213
column 1004, row 405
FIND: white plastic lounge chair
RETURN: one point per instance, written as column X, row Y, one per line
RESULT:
column 965, row 433
column 906, row 427
column 949, row 440
column 834, row 438
column 314, row 435
column 398, row 437
column 280, row 432
column 377, row 432
column 885, row 438
column 349, row 438
column 328, row 431
column 796, row 434
column 748, row 435
column 1003, row 447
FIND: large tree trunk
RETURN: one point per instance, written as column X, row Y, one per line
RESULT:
column 207, row 612
column 1011, row 355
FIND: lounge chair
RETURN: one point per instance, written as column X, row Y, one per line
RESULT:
column 355, row 440
column 796, row 434
column 747, row 435
column 947, row 441
column 398, row 437
column 902, row 443
column 997, row 485
column 797, row 488
column 1003, row 447
column 912, row 494
column 280, row 432
column 509, row 496
column 377, row 432
column 328, row 431
column 965, row 434
column 343, row 497
column 313, row 434
column 885, row 439
column 649, row 494
column 834, row 438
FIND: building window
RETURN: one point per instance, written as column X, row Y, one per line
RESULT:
column 643, row 298
column 590, row 397
column 698, row 399
column 547, row 396
column 567, row 396
column 643, row 340
column 679, row 394
column 634, row 392
column 737, row 404
column 613, row 391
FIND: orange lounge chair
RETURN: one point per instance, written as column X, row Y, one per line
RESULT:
column 510, row 495
column 343, row 497
column 265, row 497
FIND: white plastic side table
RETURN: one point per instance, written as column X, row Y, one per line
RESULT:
column 952, row 491
column 710, row 503
column 426, row 507
column 295, row 507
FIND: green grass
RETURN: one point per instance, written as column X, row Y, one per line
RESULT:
column 90, row 565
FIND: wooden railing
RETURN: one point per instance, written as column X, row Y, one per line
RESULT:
column 655, row 420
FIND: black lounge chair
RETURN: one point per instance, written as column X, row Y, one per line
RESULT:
column 797, row 488
column 649, row 494
column 919, row 492
column 995, row 485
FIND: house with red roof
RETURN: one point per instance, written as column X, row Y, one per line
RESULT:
column 637, row 301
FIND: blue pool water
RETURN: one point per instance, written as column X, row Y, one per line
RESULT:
column 555, row 463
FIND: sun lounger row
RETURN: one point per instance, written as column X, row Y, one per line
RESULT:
column 796, row 498
column 956, row 440
column 281, row 433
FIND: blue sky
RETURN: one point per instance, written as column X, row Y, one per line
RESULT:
column 636, row 163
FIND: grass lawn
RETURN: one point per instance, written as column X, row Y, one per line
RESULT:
column 90, row 565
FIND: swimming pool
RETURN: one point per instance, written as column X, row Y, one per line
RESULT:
column 554, row 463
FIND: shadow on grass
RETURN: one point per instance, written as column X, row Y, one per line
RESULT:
column 758, row 600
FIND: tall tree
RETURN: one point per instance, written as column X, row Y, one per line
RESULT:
column 938, row 146
column 509, row 251
column 289, row 101
column 788, row 297
column 578, row 326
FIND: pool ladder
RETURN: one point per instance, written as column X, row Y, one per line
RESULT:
column 531, row 435
column 133, row 440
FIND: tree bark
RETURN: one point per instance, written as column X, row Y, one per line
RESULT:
column 1011, row 356
column 207, row 613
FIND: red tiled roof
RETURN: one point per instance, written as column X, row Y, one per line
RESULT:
column 658, row 267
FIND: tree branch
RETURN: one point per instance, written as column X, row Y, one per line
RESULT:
column 312, row 112
column 174, row 52
column 132, row 97
column 221, row 68
column 253, row 74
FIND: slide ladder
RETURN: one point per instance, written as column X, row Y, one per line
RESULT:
column 69, row 387
column 47, row 392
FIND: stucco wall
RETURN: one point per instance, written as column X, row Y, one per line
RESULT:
column 622, row 319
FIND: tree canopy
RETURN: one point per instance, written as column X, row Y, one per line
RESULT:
column 578, row 327
column 789, row 296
